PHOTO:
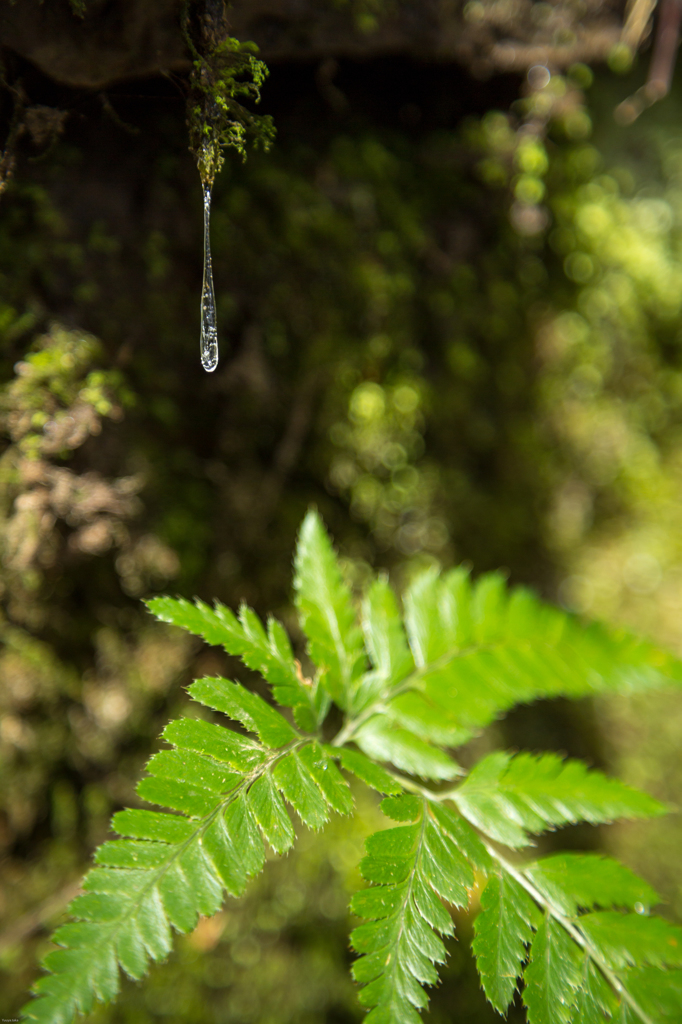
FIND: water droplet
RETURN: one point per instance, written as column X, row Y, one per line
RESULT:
column 209, row 329
column 640, row 908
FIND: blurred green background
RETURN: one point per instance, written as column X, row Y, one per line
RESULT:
column 451, row 317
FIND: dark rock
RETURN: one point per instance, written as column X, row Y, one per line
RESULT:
column 120, row 39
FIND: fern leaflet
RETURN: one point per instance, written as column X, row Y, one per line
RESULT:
column 587, row 880
column 169, row 869
column 552, row 976
column 504, row 928
column 412, row 865
column 327, row 615
column 481, row 648
column 508, row 797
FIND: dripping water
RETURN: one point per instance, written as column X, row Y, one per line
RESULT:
column 209, row 329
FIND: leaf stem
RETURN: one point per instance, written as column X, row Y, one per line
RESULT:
column 352, row 725
column 572, row 930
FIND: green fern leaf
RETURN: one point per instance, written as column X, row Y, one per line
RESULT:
column 595, row 1002
column 194, row 769
column 326, row 612
column 191, row 800
column 386, row 643
column 503, row 929
column 508, row 797
column 234, row 844
column 215, row 741
column 268, row 653
column 386, row 741
column 411, row 867
column 163, row 828
column 429, row 640
column 587, row 880
column 552, row 976
column 331, row 782
column 301, row 790
column 658, row 992
column 371, row 774
column 463, row 835
column 482, row 649
column 625, row 940
column 167, row 869
column 246, row 707
column 465, row 653
column 428, row 720
column 271, row 814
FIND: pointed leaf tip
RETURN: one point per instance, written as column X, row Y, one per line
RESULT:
column 326, row 612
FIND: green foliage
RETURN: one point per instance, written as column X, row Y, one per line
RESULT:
column 326, row 614
column 230, row 790
column 224, row 72
column 588, row 880
column 551, row 977
column 504, row 928
column 55, row 386
column 399, row 945
column 508, row 797
column 354, row 228
column 266, row 652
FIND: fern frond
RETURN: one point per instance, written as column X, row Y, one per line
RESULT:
column 465, row 653
column 587, row 880
column 412, row 868
column 595, row 1001
column 385, row 741
column 509, row 797
column 482, row 648
column 552, row 976
column 326, row 613
column 245, row 637
column 170, row 868
column 503, row 929
column 658, row 992
column 626, row 940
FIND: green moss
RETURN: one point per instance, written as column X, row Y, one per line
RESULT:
column 224, row 72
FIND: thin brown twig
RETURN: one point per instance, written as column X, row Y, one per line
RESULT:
column 665, row 49
column 636, row 22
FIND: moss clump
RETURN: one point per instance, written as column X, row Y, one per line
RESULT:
column 224, row 72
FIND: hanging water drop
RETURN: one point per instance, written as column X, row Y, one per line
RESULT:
column 209, row 327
